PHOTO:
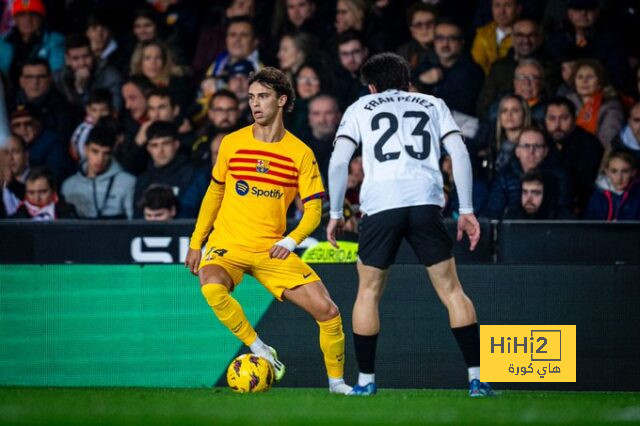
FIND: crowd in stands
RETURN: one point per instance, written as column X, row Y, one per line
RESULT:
column 115, row 109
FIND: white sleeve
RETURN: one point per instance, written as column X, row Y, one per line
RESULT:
column 446, row 123
column 348, row 127
column 461, row 171
column 338, row 173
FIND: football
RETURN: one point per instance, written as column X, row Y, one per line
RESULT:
column 250, row 373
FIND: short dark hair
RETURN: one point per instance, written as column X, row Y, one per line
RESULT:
column 76, row 40
column 624, row 155
column 141, row 82
column 101, row 96
column 532, row 176
column 420, row 7
column 386, row 71
column 102, row 136
column 348, row 36
column 162, row 129
column 157, row 197
column 244, row 19
column 561, row 101
column 444, row 20
column 161, row 92
column 111, row 124
column 36, row 62
column 275, row 79
column 223, row 93
column 533, row 129
column 43, row 172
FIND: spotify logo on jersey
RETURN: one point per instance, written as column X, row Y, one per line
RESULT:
column 242, row 187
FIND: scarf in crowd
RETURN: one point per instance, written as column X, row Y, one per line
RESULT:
column 45, row 212
column 588, row 114
column 629, row 139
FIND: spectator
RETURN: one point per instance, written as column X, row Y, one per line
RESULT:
column 352, row 54
column 513, row 116
column 629, row 136
column 324, row 117
column 584, row 36
column 599, row 111
column 13, row 176
column 533, row 203
column 454, row 77
column 299, row 16
column 41, row 200
column 294, row 51
column 162, row 107
column 82, row 74
column 28, row 40
column 354, row 182
column 45, row 146
column 310, row 80
column 421, row 19
column 493, row 40
column 241, row 43
column 104, row 46
column 153, row 60
column 527, row 43
column 530, row 153
column 169, row 167
column 580, row 152
column 528, row 83
column 223, row 117
column 617, row 193
column 567, row 70
column 36, row 88
column 355, row 15
column 133, row 155
column 238, row 83
column 99, row 105
column 158, row 204
column 101, row 189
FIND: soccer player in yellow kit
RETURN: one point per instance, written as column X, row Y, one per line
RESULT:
column 258, row 173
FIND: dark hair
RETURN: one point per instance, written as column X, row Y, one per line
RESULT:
column 103, row 136
column 96, row 19
column 19, row 140
column 110, row 124
column 33, row 62
column 532, row 176
column 421, row 7
column 326, row 82
column 162, row 129
column 161, row 92
column 275, row 79
column 43, row 172
column 101, row 96
column 76, row 40
column 624, row 155
column 141, row 82
column 158, row 196
column 444, row 20
column 597, row 68
column 386, row 71
column 223, row 93
column 348, row 36
column 561, row 101
column 246, row 19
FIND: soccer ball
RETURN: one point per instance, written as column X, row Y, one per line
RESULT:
column 250, row 373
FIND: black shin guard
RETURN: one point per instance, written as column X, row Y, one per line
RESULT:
column 365, row 347
column 468, row 338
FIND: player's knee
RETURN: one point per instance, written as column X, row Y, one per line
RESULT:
column 216, row 295
column 327, row 310
column 370, row 293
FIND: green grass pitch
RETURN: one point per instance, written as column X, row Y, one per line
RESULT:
column 288, row 406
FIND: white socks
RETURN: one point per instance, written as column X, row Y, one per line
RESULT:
column 260, row 348
column 474, row 373
column 365, row 379
column 339, row 386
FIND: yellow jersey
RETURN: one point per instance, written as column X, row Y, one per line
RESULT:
column 261, row 180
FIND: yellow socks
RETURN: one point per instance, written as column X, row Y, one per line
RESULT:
column 332, row 345
column 230, row 313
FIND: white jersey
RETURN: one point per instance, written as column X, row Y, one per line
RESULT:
column 400, row 133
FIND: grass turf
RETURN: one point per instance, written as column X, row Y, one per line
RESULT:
column 288, row 406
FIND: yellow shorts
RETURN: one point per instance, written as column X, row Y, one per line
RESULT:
column 276, row 275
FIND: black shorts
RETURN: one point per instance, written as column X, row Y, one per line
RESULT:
column 422, row 226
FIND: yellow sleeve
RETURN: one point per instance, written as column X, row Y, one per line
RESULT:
column 208, row 211
column 309, row 222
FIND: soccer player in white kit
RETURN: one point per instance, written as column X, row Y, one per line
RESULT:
column 402, row 197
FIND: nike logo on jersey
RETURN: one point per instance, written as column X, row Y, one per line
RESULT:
column 306, row 275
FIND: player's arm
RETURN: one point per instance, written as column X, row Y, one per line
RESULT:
column 206, row 217
column 338, row 174
column 467, row 222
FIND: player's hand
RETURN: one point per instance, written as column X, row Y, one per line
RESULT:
column 468, row 224
column 192, row 262
column 334, row 227
column 279, row 252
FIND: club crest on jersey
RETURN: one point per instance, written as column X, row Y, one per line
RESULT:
column 262, row 166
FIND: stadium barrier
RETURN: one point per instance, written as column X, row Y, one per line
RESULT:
column 507, row 242
column 148, row 325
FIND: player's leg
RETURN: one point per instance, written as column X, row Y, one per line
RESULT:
column 379, row 240
column 462, row 319
column 314, row 298
column 216, row 285
column 434, row 247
